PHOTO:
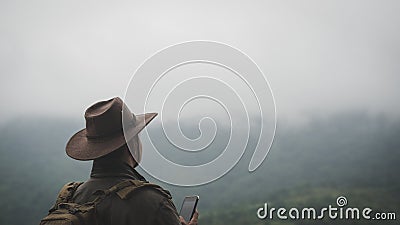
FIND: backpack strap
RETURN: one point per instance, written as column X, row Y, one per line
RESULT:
column 124, row 189
column 66, row 193
column 135, row 185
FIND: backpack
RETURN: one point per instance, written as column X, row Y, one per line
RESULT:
column 66, row 212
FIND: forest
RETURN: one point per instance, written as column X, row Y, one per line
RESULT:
column 355, row 155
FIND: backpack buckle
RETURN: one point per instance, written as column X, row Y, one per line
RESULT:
column 73, row 211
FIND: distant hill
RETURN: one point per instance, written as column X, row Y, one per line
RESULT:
column 349, row 154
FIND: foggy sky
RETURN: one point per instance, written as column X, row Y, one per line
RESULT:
column 320, row 57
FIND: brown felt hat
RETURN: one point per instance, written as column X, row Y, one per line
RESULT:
column 104, row 130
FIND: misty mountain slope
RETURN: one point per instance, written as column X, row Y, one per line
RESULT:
column 350, row 153
column 347, row 151
column 34, row 166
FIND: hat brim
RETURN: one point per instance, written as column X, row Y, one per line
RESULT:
column 80, row 147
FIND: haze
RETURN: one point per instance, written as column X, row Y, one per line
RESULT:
column 320, row 57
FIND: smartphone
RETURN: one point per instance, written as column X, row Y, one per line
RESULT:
column 189, row 207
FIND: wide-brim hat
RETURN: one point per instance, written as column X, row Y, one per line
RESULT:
column 105, row 132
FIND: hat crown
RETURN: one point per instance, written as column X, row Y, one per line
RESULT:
column 105, row 118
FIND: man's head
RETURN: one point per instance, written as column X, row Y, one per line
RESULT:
column 105, row 133
column 129, row 155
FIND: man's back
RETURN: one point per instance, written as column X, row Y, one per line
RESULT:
column 146, row 206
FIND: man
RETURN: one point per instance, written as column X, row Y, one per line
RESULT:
column 105, row 142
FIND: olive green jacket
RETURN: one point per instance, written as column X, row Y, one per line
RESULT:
column 146, row 206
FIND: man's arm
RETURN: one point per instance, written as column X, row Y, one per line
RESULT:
column 168, row 215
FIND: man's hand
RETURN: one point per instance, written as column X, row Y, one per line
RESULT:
column 193, row 221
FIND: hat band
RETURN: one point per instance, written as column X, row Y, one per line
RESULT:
column 112, row 134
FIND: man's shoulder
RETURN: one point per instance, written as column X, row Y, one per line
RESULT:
column 151, row 189
column 144, row 193
column 145, row 204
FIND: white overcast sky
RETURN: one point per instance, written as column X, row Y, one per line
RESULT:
column 320, row 57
